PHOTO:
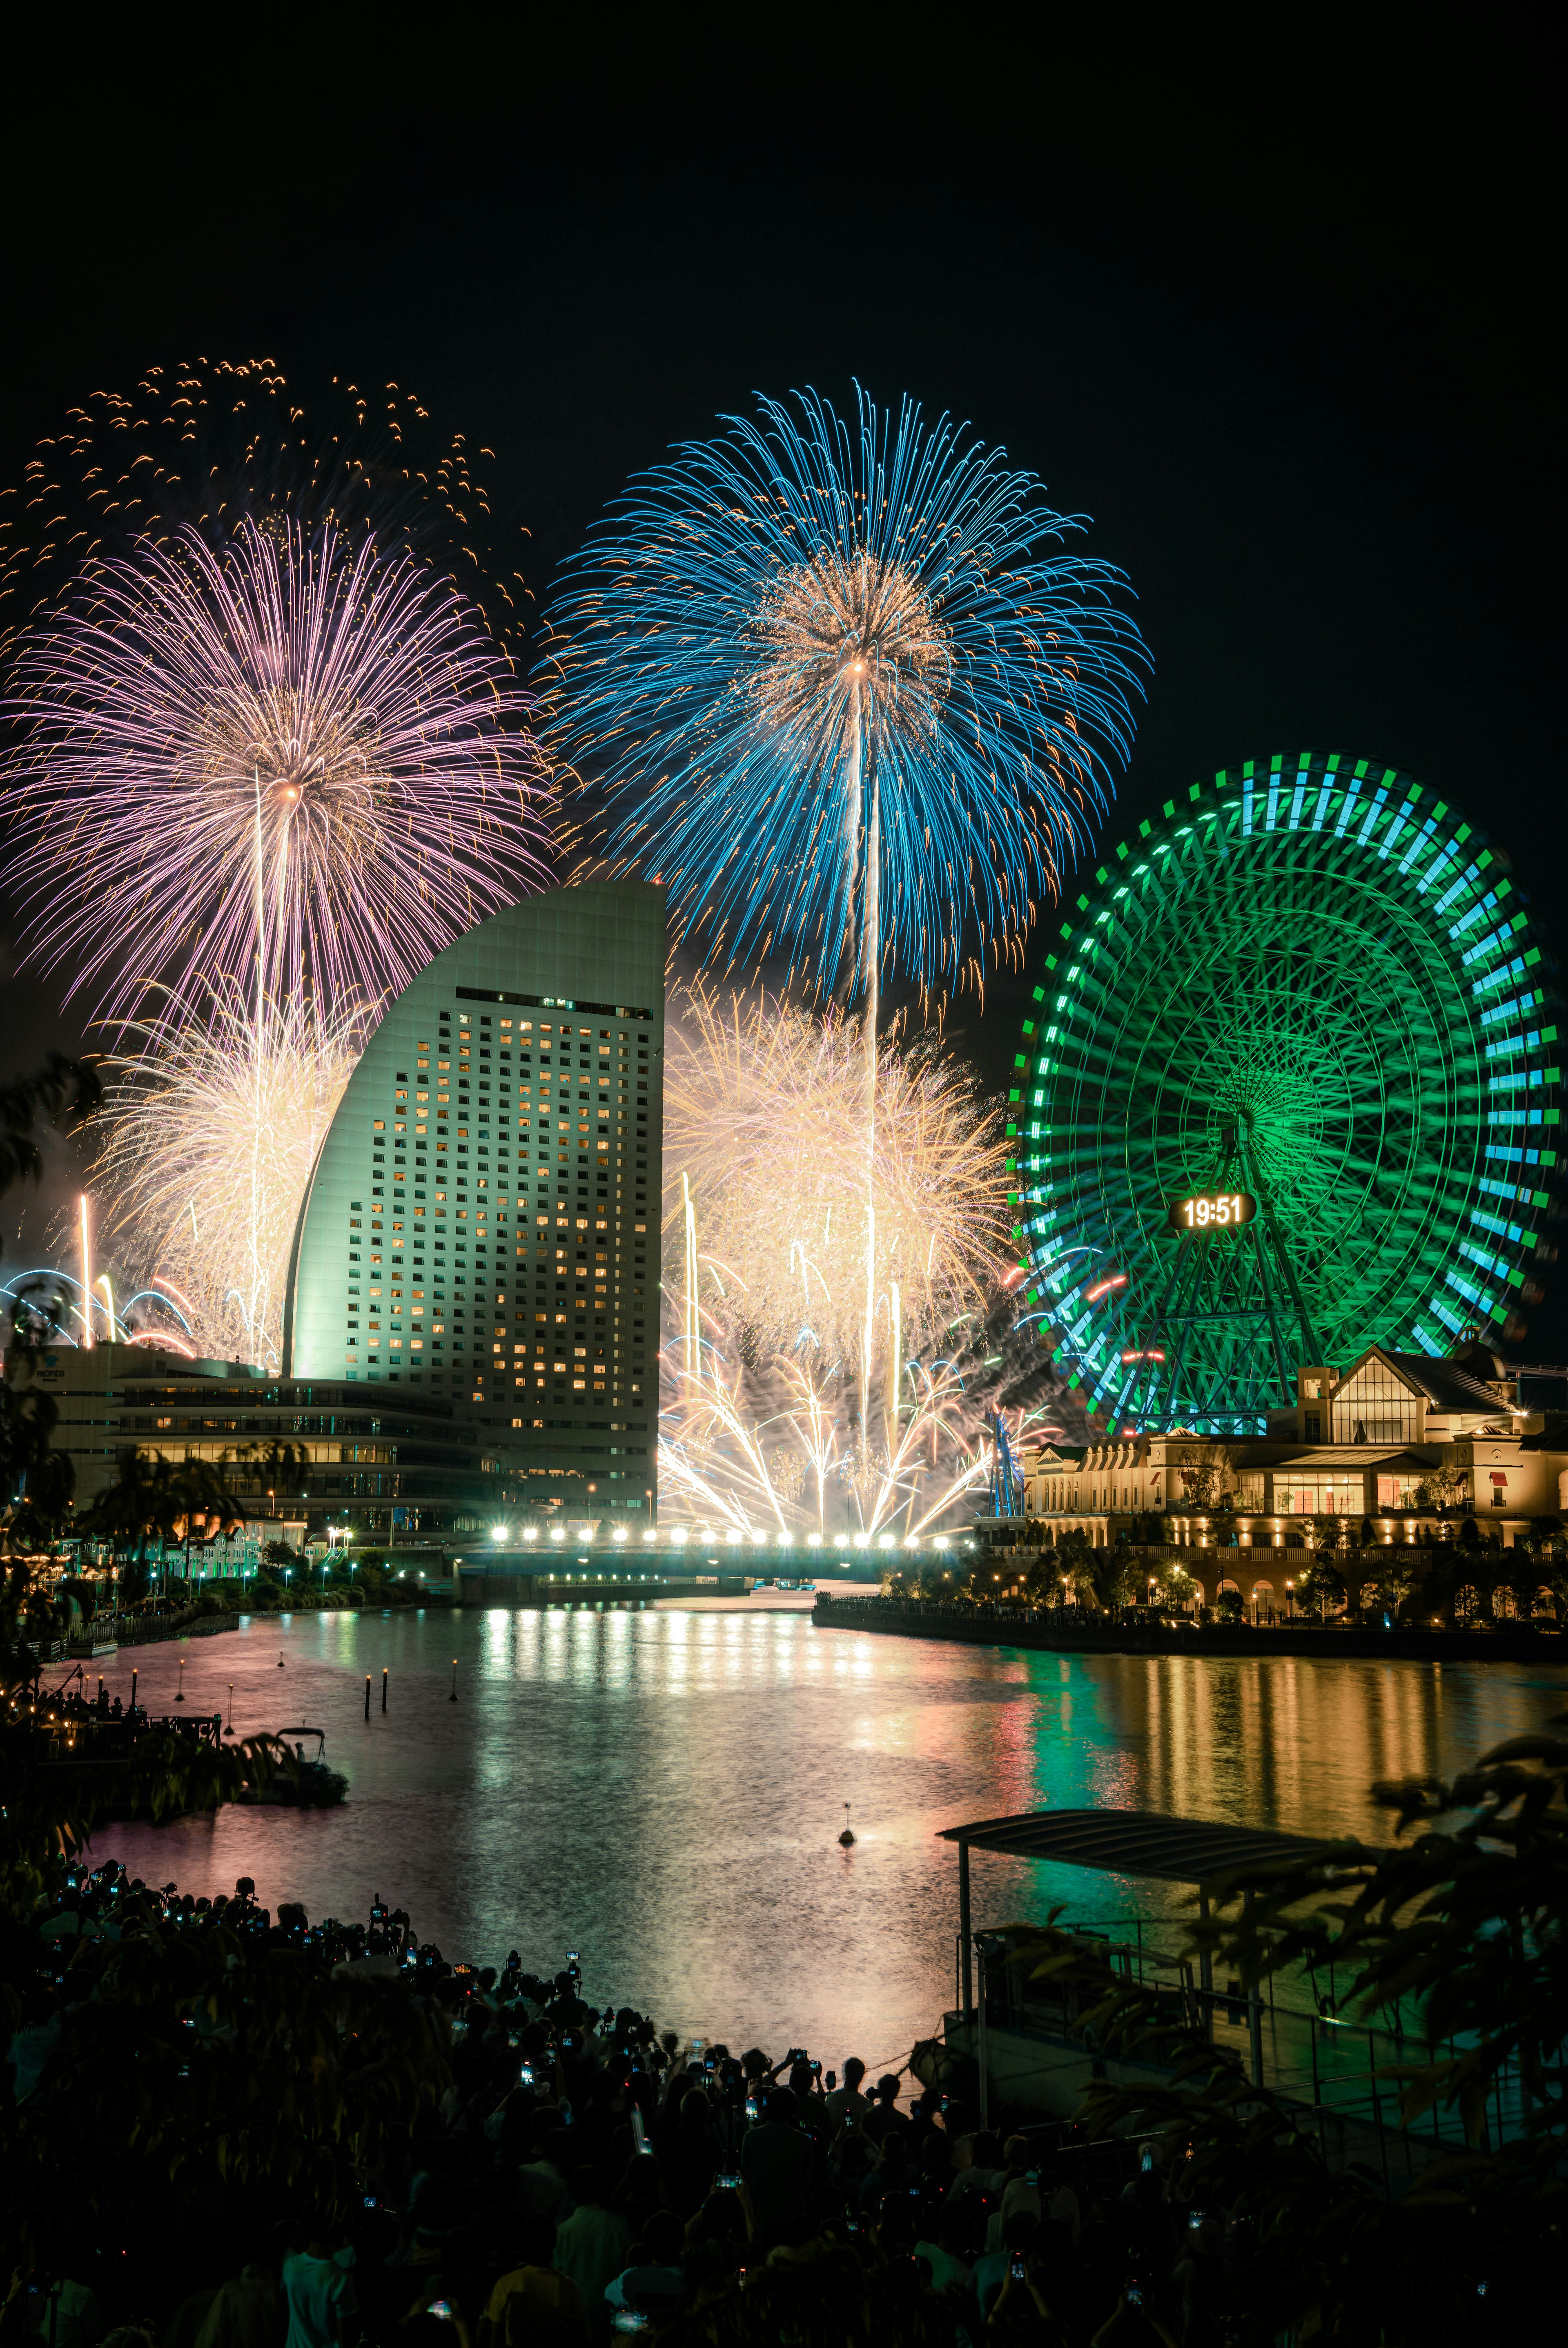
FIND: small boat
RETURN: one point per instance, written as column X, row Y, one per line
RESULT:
column 300, row 1781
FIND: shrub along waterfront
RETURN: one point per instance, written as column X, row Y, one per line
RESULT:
column 1461, row 1583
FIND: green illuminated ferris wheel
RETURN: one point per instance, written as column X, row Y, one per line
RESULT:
column 1289, row 1087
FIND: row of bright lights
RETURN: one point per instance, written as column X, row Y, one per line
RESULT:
column 679, row 1535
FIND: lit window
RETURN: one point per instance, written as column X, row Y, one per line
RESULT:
column 1319, row 1496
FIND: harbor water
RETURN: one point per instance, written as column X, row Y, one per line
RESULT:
column 664, row 1791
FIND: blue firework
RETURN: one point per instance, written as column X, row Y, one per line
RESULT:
column 844, row 689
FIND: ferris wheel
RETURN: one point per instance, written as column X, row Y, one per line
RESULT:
column 1290, row 1086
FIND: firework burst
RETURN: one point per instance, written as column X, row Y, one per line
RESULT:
column 763, row 1106
column 210, row 1127
column 822, row 1364
column 287, row 751
column 206, row 446
column 846, row 690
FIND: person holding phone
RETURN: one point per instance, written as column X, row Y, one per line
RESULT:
column 1132, row 2324
column 992, row 2267
column 777, row 2164
column 653, row 2284
column 847, row 2101
column 883, row 2112
column 1018, row 2310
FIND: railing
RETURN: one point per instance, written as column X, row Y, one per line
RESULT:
column 141, row 1630
column 70, row 1740
column 1340, row 2074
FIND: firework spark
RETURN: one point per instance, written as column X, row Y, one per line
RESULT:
column 789, row 1402
column 847, row 695
column 203, row 445
column 286, row 739
column 763, row 1114
column 209, row 1130
column 725, row 1464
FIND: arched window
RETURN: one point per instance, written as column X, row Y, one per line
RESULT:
column 1467, row 1603
column 1504, row 1604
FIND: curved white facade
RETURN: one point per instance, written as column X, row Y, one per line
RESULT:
column 482, row 1223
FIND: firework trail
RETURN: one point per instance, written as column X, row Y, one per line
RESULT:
column 846, row 690
column 850, row 699
column 209, row 1129
column 287, row 754
column 724, row 1467
column 787, row 1404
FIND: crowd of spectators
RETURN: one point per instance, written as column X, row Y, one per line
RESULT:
column 585, row 2176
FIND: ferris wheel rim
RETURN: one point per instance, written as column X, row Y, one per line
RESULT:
column 1364, row 864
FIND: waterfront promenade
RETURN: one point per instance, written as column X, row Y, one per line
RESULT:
column 1068, row 1630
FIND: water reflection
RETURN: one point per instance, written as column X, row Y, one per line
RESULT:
column 663, row 1791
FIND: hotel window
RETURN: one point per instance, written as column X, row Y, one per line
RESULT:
column 1249, row 1493
column 1398, row 1491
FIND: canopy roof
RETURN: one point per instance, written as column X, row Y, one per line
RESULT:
column 1138, row 1842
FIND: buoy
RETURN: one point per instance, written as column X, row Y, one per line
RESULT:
column 279, row 1662
column 846, row 1840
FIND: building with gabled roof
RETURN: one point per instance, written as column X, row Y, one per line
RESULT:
column 1394, row 1443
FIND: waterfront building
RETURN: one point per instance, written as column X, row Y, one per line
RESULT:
column 471, row 1330
column 1393, row 1447
column 390, row 1466
column 481, row 1229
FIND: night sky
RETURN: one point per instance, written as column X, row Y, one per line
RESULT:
column 1282, row 320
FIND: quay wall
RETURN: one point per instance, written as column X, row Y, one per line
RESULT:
column 997, row 1626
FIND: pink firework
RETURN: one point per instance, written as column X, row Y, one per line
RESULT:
column 292, row 755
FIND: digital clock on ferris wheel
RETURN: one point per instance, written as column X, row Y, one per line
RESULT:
column 1213, row 1210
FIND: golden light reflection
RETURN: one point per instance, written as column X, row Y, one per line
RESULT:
column 663, row 1790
